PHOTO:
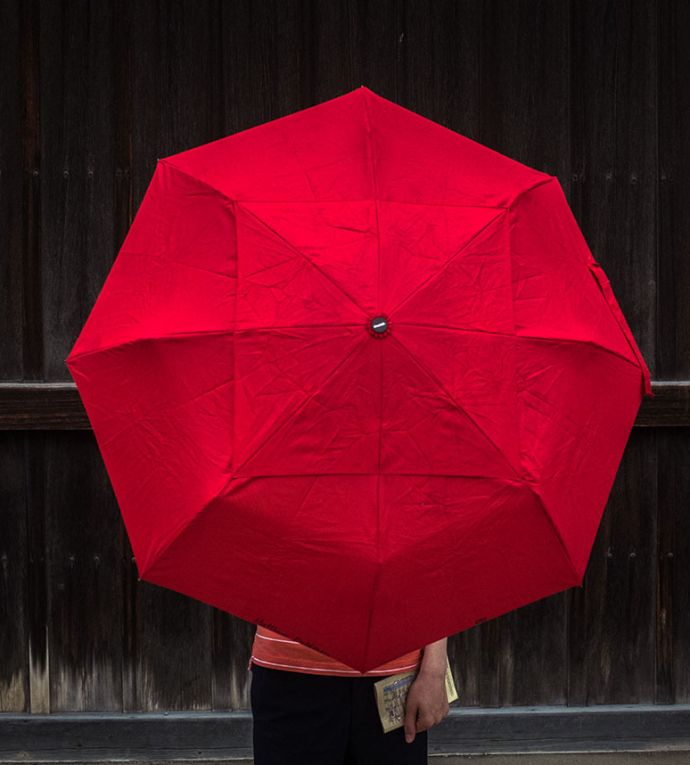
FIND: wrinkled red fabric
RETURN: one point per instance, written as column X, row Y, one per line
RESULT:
column 277, row 456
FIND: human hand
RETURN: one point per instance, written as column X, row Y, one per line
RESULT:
column 426, row 703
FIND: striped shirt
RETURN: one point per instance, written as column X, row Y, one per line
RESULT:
column 271, row 649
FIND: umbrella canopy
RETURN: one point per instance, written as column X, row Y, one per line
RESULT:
column 359, row 379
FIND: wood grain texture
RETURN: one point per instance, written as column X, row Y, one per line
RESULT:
column 596, row 93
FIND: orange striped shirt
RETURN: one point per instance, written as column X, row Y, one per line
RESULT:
column 271, row 649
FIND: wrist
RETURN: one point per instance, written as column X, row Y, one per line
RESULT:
column 433, row 672
column 434, row 659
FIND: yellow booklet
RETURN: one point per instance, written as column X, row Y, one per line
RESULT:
column 391, row 693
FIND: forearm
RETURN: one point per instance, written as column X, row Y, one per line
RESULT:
column 434, row 658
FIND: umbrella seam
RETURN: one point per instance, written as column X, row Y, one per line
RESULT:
column 606, row 290
column 459, row 251
column 520, row 336
column 134, row 340
column 452, row 400
column 346, row 200
column 183, row 527
column 233, row 324
column 556, row 530
column 307, row 259
column 196, row 178
column 519, row 406
column 303, row 403
column 595, row 270
column 377, row 572
column 528, row 189
column 162, row 413
column 204, row 333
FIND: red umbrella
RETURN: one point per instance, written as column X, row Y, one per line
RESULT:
column 358, row 378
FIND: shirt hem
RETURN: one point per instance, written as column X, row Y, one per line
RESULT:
column 328, row 671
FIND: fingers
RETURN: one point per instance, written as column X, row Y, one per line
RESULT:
column 411, row 710
column 421, row 721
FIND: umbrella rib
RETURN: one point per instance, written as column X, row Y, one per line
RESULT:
column 460, row 250
column 377, row 572
column 237, row 202
column 288, row 419
column 323, row 474
column 161, row 413
column 473, row 330
column 339, row 201
column 134, row 340
column 556, row 530
column 307, row 259
column 455, row 403
column 184, row 526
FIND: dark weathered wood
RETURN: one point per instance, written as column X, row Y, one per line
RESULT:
column 673, row 562
column 14, row 576
column 37, row 603
column 83, row 567
column 673, row 222
column 17, row 131
column 673, row 353
column 31, row 328
column 92, row 94
column 613, row 628
column 669, row 407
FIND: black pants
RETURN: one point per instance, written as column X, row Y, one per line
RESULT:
column 307, row 719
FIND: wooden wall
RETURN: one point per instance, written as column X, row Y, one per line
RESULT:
column 91, row 93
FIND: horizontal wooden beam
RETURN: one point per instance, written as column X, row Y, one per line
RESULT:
column 57, row 406
column 170, row 736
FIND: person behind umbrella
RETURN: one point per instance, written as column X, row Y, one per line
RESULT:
column 310, row 708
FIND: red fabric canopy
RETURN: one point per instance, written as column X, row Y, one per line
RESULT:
column 358, row 378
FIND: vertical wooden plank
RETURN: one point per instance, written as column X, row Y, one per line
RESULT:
column 673, row 351
column 16, row 148
column 523, row 71
column 612, row 644
column 85, row 616
column 673, row 557
column 383, row 49
column 441, row 62
column 30, row 287
column 32, row 349
column 32, row 352
column 77, row 189
column 673, row 77
column 14, row 575
column 232, row 642
column 37, row 584
column 269, row 60
column 613, row 195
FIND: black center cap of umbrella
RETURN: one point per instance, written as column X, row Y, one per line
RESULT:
column 379, row 326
